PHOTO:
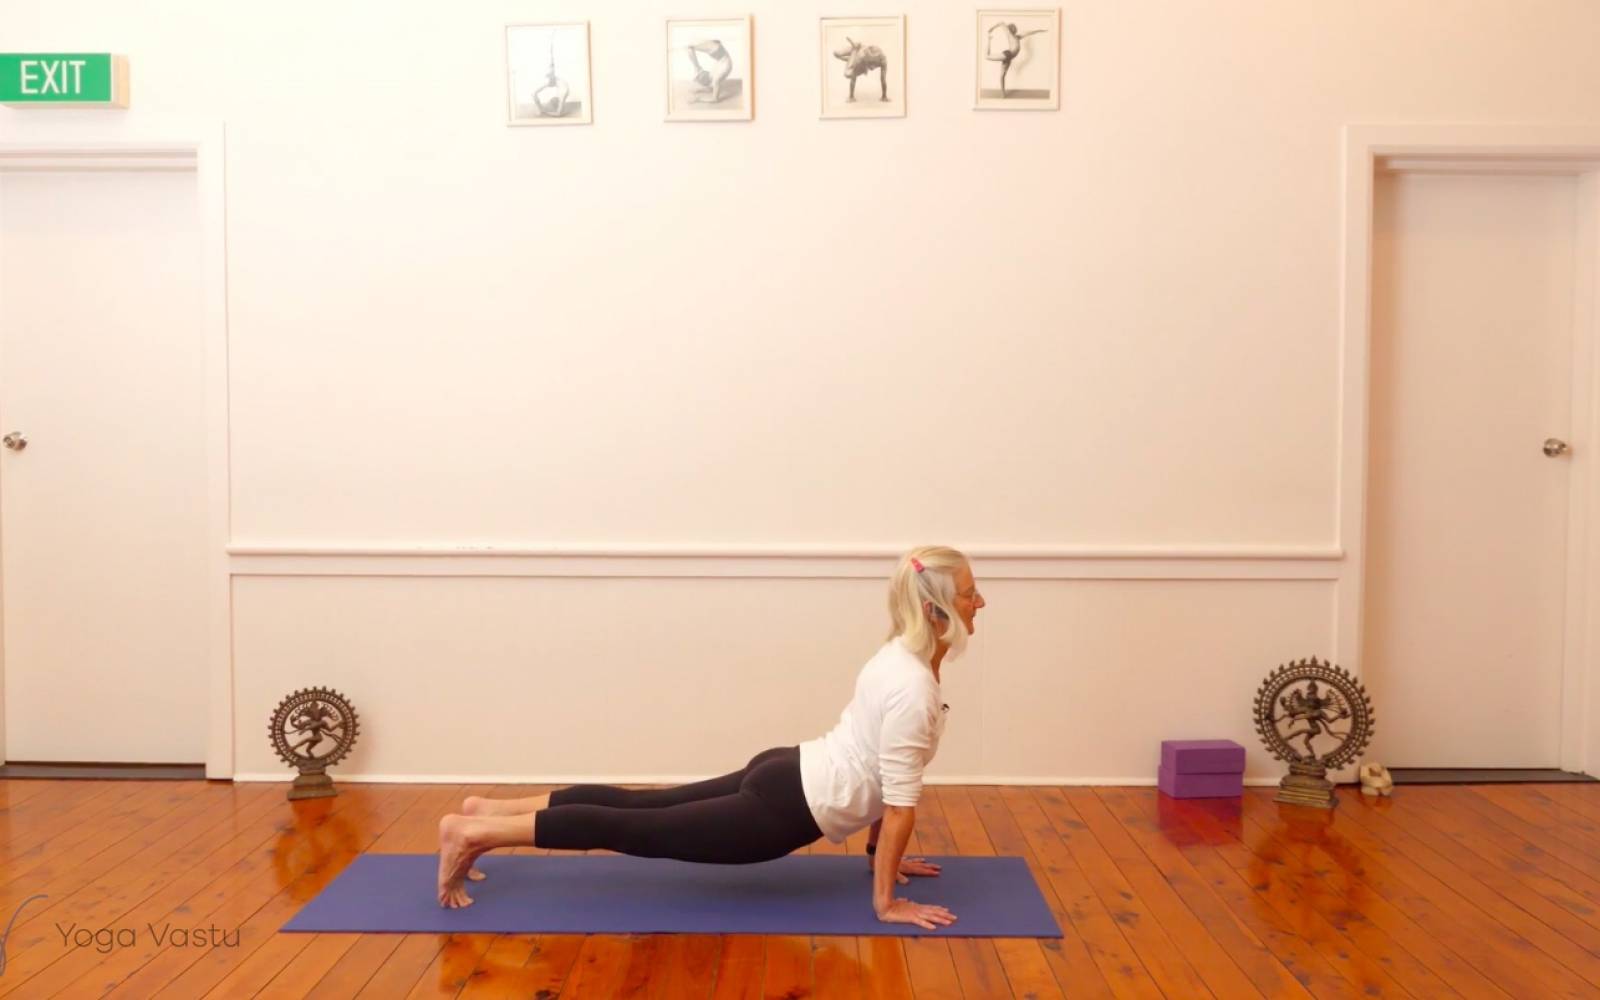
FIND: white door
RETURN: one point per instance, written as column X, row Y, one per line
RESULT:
column 102, row 513
column 1472, row 313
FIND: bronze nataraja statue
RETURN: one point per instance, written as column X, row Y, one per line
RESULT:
column 1308, row 701
column 302, row 723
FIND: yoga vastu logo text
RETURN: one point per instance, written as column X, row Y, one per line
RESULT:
column 107, row 939
column 9, row 924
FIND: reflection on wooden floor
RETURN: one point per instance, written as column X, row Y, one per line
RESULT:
column 176, row 889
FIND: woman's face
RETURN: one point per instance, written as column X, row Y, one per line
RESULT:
column 968, row 600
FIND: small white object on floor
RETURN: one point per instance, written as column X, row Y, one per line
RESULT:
column 1375, row 779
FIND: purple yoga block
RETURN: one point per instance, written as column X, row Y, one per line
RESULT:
column 1202, row 757
column 1201, row 786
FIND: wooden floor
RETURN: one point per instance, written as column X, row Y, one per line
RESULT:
column 1481, row 891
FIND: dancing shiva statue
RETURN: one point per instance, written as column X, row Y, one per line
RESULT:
column 1301, row 703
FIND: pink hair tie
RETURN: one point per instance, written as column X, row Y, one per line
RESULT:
column 916, row 564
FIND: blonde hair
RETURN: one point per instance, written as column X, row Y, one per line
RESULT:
column 909, row 590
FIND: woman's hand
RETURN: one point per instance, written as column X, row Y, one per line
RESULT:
column 910, row 866
column 924, row 915
column 916, row 866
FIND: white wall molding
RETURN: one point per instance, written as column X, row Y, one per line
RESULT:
column 794, row 551
column 1039, row 562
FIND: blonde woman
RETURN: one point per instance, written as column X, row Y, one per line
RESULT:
column 866, row 771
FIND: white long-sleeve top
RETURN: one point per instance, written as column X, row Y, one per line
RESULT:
column 875, row 755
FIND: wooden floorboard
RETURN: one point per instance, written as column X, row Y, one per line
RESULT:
column 1523, row 955
column 1087, row 919
column 1488, row 892
column 1314, row 887
column 1209, row 836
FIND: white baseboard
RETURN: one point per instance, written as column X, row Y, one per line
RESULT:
column 679, row 779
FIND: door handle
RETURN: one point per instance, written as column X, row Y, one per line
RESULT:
column 1553, row 447
column 15, row 441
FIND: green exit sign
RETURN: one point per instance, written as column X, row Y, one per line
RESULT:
column 64, row 79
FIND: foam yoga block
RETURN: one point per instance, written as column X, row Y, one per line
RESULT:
column 1200, row 786
column 1202, row 756
column 1197, row 769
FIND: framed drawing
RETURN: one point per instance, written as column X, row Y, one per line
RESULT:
column 1019, row 60
column 547, row 74
column 710, row 76
column 864, row 67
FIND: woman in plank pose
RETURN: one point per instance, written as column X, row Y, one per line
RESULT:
column 866, row 771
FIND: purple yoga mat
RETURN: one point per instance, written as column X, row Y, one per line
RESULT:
column 615, row 894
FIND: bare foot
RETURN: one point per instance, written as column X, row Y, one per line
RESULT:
column 474, row 805
column 483, row 806
column 477, row 805
column 455, row 861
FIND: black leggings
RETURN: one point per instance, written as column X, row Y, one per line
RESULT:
column 756, row 813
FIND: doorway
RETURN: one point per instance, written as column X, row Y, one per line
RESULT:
column 1476, row 280
column 103, row 482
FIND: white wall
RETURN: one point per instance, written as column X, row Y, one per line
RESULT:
column 1112, row 326
column 581, row 677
